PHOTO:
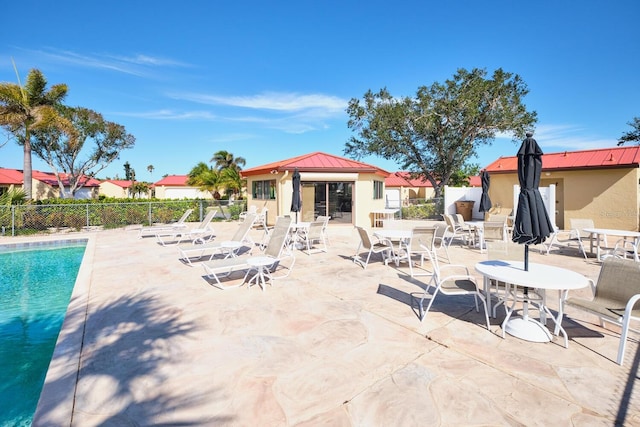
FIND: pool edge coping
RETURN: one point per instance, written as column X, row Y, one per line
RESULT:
column 56, row 401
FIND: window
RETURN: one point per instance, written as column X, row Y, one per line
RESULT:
column 264, row 190
column 378, row 189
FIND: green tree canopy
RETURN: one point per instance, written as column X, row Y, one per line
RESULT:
column 632, row 135
column 29, row 108
column 433, row 134
column 224, row 159
column 98, row 142
column 204, row 177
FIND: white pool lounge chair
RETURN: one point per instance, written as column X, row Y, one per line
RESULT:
column 155, row 229
column 228, row 247
column 202, row 233
column 276, row 249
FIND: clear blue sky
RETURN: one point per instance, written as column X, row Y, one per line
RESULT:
column 268, row 80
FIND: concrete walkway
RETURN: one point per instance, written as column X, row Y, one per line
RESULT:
column 332, row 344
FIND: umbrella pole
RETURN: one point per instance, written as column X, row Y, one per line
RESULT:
column 525, row 308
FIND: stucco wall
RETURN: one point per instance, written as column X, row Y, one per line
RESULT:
column 362, row 194
column 608, row 196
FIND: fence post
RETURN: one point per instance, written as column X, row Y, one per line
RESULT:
column 149, row 215
column 13, row 221
column 87, row 212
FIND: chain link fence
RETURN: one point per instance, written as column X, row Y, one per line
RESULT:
column 17, row 220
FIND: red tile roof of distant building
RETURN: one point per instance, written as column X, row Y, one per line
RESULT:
column 615, row 157
column 173, row 180
column 11, row 176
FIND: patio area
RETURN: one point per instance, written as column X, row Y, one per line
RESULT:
column 332, row 344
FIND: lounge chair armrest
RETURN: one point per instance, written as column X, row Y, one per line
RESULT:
column 629, row 307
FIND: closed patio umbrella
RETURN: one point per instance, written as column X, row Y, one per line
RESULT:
column 531, row 226
column 485, row 201
column 296, row 201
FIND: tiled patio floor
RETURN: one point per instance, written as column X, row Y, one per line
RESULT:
column 332, row 344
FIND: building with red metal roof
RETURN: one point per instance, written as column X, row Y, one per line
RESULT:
column 176, row 187
column 45, row 184
column 347, row 190
column 599, row 184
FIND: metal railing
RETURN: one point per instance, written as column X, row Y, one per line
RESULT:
column 16, row 220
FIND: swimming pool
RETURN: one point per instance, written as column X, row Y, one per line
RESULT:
column 36, row 281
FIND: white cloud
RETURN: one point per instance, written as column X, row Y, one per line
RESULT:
column 272, row 101
column 138, row 65
column 171, row 115
column 566, row 137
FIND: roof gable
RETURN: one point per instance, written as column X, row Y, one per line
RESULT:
column 315, row 162
column 615, row 157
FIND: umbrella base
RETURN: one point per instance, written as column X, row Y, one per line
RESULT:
column 527, row 329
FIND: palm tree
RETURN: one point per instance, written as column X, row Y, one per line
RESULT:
column 150, row 168
column 205, row 178
column 224, row 159
column 232, row 180
column 24, row 109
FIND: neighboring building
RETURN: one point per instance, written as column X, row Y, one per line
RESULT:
column 175, row 187
column 602, row 185
column 45, row 185
column 347, row 190
column 119, row 189
column 401, row 189
column 10, row 179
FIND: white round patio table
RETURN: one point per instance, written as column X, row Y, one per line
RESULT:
column 230, row 248
column 260, row 264
column 539, row 276
column 635, row 235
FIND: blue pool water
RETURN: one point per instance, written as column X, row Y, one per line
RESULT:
column 35, row 287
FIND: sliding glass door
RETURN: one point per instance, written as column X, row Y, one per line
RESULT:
column 327, row 198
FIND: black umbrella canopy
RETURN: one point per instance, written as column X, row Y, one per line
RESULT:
column 296, row 201
column 485, row 201
column 532, row 225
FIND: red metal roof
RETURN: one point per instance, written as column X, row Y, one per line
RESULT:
column 173, row 180
column 616, row 157
column 122, row 183
column 49, row 178
column 11, row 176
column 15, row 176
column 403, row 179
column 315, row 162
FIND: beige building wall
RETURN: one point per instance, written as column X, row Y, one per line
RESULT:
column 363, row 203
column 610, row 197
column 109, row 189
column 43, row 191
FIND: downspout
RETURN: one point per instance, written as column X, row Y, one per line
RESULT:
column 281, row 192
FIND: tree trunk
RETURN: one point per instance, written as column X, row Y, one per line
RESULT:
column 27, row 172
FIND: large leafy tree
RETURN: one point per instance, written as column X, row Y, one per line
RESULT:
column 204, row 177
column 98, row 142
column 28, row 108
column 433, row 134
column 632, row 135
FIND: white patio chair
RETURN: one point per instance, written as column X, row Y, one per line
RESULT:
column 565, row 238
column 451, row 280
column 155, row 229
column 412, row 247
column 378, row 246
column 616, row 297
column 201, row 233
column 308, row 236
column 240, row 238
column 276, row 249
column 491, row 231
